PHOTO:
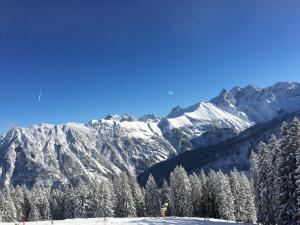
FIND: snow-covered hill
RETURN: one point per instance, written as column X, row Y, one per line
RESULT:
column 134, row 221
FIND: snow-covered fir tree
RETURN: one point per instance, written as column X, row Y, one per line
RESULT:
column 204, row 196
column 7, row 207
column 34, row 213
column 249, row 215
column 103, row 199
column 152, row 200
column 243, row 197
column 224, row 199
column 196, row 188
column 137, row 195
column 165, row 193
column 286, row 189
column 125, row 206
column 265, row 212
column 181, row 193
column 19, row 202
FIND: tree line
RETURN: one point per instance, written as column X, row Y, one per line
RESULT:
column 214, row 195
column 275, row 171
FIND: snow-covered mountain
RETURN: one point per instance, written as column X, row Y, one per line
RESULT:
column 200, row 125
column 260, row 104
column 226, row 115
column 74, row 152
column 101, row 148
column 226, row 155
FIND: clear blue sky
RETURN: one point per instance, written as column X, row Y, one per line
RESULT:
column 79, row 60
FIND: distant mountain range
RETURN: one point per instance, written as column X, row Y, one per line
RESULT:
column 102, row 148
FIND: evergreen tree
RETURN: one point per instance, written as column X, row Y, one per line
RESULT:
column 181, row 196
column 286, row 189
column 19, row 202
column 237, row 192
column 165, row 193
column 104, row 206
column 82, row 201
column 137, row 195
column 7, row 207
column 249, row 210
column 264, row 203
column 205, row 197
column 196, row 188
column 125, row 206
column 152, row 200
column 34, row 213
column 224, row 199
column 69, row 204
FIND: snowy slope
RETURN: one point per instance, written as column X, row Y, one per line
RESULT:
column 101, row 148
column 199, row 123
column 133, row 221
column 260, row 104
column 72, row 152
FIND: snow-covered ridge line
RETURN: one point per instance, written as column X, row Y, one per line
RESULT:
column 104, row 147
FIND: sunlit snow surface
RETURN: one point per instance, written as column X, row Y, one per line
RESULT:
column 133, row 221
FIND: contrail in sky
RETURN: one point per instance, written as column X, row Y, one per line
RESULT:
column 40, row 96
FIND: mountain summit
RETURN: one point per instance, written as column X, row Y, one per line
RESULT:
column 100, row 149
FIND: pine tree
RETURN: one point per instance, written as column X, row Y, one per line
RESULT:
column 205, row 197
column 165, row 193
column 181, row 196
column 274, row 151
column 82, row 201
column 286, row 188
column 19, row 202
column 104, row 206
column 296, row 125
column 137, row 195
column 125, row 206
column 224, row 199
column 7, row 209
column 264, row 203
column 196, row 188
column 69, row 204
column 34, row 214
column 210, row 204
column 237, row 192
column 249, row 210
column 152, row 200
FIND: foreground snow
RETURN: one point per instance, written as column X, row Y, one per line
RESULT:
column 132, row 221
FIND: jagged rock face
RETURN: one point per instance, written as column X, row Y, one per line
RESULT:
column 260, row 104
column 77, row 152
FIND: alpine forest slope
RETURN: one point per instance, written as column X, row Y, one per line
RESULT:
column 101, row 149
column 234, row 152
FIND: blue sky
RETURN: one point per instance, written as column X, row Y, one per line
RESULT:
column 76, row 60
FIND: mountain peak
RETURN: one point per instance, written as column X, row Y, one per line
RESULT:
column 150, row 118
